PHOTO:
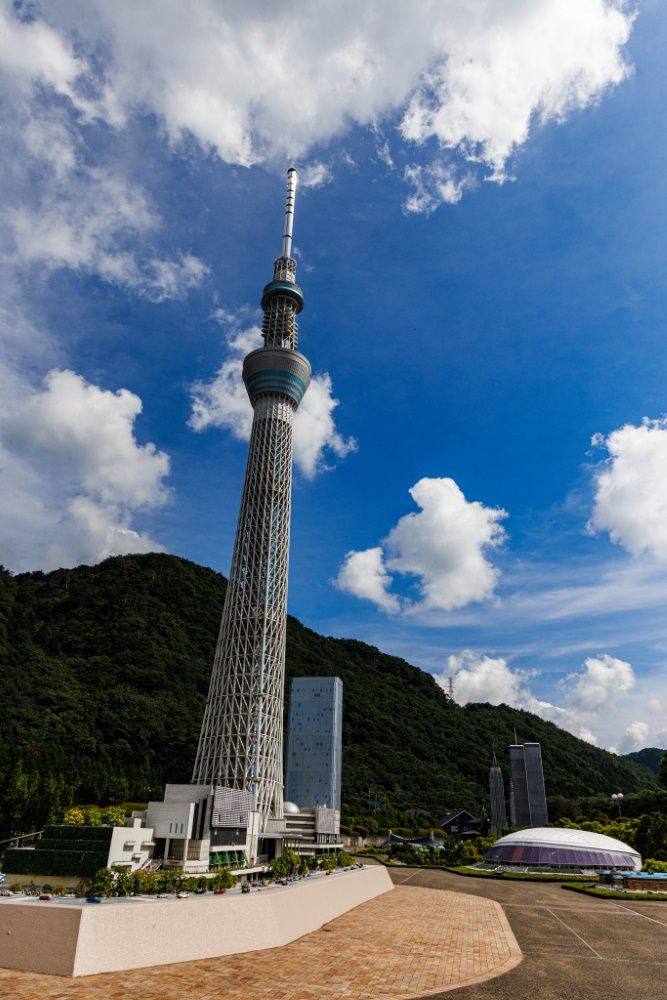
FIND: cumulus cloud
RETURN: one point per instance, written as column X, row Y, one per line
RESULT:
column 631, row 488
column 588, row 695
column 73, row 473
column 603, row 680
column 223, row 402
column 445, row 547
column 529, row 62
column 364, row 575
column 468, row 79
column 482, row 678
column 63, row 209
column 635, row 737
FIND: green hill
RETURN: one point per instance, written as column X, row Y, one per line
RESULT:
column 650, row 757
column 103, row 677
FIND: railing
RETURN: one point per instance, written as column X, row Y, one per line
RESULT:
column 23, row 836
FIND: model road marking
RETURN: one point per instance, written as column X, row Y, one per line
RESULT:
column 572, row 930
column 408, row 878
column 653, row 920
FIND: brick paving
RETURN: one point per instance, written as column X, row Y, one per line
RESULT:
column 411, row 942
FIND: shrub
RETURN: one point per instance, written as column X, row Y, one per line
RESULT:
column 655, row 864
column 74, row 817
column 223, row 879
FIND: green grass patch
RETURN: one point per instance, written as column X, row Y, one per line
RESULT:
column 601, row 893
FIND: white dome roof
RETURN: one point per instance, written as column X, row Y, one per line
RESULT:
column 554, row 836
column 291, row 808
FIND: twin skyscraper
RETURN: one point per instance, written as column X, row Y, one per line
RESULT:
column 528, row 802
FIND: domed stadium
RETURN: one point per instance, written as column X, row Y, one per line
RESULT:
column 562, row 849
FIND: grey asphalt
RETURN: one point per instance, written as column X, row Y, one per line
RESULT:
column 573, row 946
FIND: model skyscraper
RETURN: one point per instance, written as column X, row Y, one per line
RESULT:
column 528, row 797
column 241, row 741
column 314, row 742
column 497, row 793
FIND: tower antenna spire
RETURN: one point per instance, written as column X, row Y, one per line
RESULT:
column 289, row 211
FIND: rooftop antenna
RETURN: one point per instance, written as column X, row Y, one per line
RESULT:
column 516, row 741
column 289, row 212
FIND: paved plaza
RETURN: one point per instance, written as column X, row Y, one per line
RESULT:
column 437, row 931
column 574, row 947
column 407, row 943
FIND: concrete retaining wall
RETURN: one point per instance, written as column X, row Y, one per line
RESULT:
column 80, row 940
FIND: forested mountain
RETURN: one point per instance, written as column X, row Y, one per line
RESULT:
column 103, row 678
column 650, row 757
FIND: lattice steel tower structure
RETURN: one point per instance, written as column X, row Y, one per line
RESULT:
column 241, row 741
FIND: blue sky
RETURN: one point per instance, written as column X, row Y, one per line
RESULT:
column 480, row 235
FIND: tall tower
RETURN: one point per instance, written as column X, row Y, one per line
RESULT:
column 528, row 797
column 241, row 740
column 497, row 793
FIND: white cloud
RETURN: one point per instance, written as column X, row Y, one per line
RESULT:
column 589, row 695
column 604, row 679
column 473, row 78
column 526, row 62
column 364, row 574
column 87, row 219
column 223, row 402
column 481, row 678
column 32, row 51
column 315, row 175
column 631, row 488
column 635, row 737
column 445, row 545
column 434, row 185
column 315, row 432
column 63, row 206
column 73, row 474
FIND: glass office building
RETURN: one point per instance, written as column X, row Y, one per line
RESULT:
column 314, row 742
column 528, row 796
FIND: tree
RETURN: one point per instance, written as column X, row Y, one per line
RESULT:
column 662, row 770
column 103, row 883
column 651, row 834
column 113, row 816
column 286, row 865
column 223, row 879
column 93, row 816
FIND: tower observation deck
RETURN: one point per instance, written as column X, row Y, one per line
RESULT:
column 241, row 740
